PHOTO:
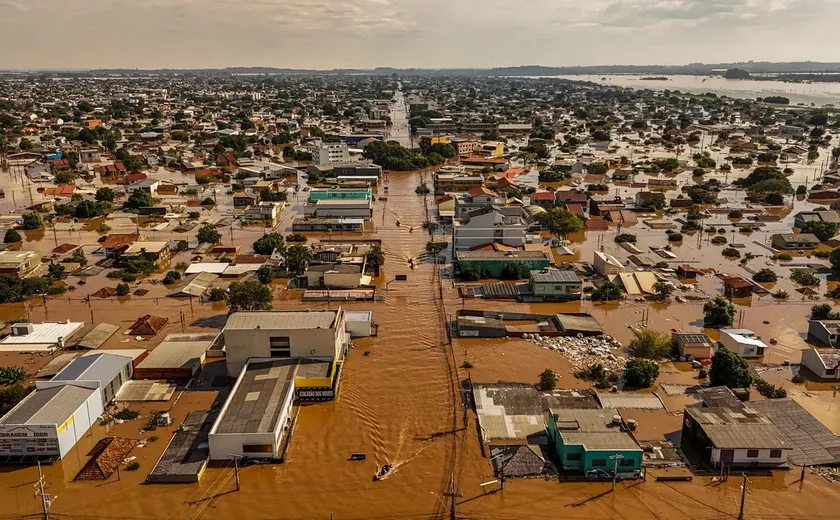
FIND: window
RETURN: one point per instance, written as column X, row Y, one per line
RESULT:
column 573, row 456
column 775, row 454
column 599, row 463
column 752, row 454
column 626, row 463
column 280, row 347
column 257, row 448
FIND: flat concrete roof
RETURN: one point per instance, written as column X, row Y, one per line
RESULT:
column 45, row 333
column 257, row 401
column 282, row 320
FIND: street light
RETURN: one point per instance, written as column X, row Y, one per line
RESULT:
column 615, row 458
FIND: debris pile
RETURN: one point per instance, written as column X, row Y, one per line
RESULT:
column 828, row 473
column 582, row 352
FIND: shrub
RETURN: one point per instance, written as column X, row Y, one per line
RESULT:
column 736, row 213
column 217, row 294
column 781, row 294
column 768, row 390
column 11, row 237
column 32, row 220
column 675, row 237
column 472, row 273
column 265, row 274
column 513, row 271
column 548, row 380
column 123, row 289
column 127, row 414
column 804, row 277
column 641, row 373
column 801, row 190
column 719, row 240
column 731, row 252
column 823, row 312
column 132, row 466
column 466, row 364
column 649, row 344
column 782, row 256
column 128, row 278
column 296, row 237
column 606, row 292
column 765, row 276
column 208, row 202
column 12, row 375
column 171, row 277
column 625, row 237
column 798, row 379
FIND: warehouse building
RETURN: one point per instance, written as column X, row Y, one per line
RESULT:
column 318, row 334
column 255, row 418
column 46, row 424
column 179, row 356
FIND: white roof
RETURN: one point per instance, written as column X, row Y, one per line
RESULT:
column 746, row 340
column 150, row 247
column 207, row 267
column 45, row 333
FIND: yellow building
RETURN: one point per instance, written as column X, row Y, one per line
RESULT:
column 492, row 149
column 430, row 140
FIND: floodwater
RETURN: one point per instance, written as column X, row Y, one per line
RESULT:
column 817, row 93
column 400, row 404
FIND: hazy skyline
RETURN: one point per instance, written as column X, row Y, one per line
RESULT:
column 326, row 34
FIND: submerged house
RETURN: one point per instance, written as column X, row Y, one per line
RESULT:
column 586, row 440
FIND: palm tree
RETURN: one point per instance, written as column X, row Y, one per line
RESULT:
column 297, row 259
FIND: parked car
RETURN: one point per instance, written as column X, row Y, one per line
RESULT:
column 598, row 474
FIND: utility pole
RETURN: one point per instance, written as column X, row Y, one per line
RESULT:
column 452, row 493
column 744, row 492
column 46, row 499
column 236, row 470
column 615, row 458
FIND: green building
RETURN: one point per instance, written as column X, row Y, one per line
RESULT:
column 494, row 262
column 341, row 193
column 585, row 440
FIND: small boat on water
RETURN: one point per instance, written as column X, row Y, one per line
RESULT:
column 398, row 223
column 383, row 472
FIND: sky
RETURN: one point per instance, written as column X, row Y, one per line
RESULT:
column 326, row 34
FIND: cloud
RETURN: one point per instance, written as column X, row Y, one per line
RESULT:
column 420, row 33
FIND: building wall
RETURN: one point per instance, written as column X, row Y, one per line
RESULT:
column 495, row 267
column 634, row 456
column 79, row 423
column 566, row 290
column 742, row 459
column 605, row 268
column 241, row 345
column 343, row 280
column 814, row 363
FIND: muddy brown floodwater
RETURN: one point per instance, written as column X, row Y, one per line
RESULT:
column 399, row 404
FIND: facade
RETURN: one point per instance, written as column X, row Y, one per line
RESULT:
column 494, row 262
column 552, row 284
column 47, row 423
column 149, row 186
column 694, row 344
column 803, row 217
column 491, row 227
column 317, row 194
column 331, row 153
column 265, row 213
column 465, row 146
column 606, row 264
column 823, row 362
column 340, row 208
column 19, row 264
column 734, row 436
column 586, row 440
column 492, row 149
column 824, row 331
column 742, row 342
column 178, row 356
column 156, row 252
column 357, row 170
column 737, row 287
column 790, row 241
column 328, row 224
column 283, row 334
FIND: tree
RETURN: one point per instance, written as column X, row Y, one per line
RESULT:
column 649, row 344
column 73, row 159
column 804, row 277
column 248, row 296
column 512, row 271
column 91, row 209
column 375, row 257
column 12, row 395
column 265, row 274
column 561, row 222
column 55, row 272
column 11, row 237
column 472, row 273
column 834, row 258
column 267, row 244
column 625, row 237
column 607, row 292
column 663, row 289
column 823, row 230
column 106, row 194
column 123, row 289
column 718, row 312
column 208, row 234
column 65, row 177
column 138, row 199
column 217, row 294
column 297, row 259
column 32, row 220
column 12, row 375
column 640, row 373
column 701, row 196
column 548, row 380
column 765, row 276
column 823, row 312
column 730, row 370
column 598, row 168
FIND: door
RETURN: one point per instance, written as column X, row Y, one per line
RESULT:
column 727, row 457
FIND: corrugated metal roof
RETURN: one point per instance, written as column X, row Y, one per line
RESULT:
column 45, row 333
column 194, row 285
column 49, row 406
column 630, row 400
column 178, row 351
column 282, row 320
column 616, row 440
column 102, row 367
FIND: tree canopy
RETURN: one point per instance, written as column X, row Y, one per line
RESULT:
column 561, row 222
column 730, row 370
column 640, row 373
column 718, row 312
column 248, row 296
column 267, row 244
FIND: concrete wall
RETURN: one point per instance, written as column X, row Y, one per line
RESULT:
column 79, row 423
column 241, row 345
column 812, row 361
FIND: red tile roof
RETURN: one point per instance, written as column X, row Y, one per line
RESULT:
column 543, row 195
column 116, row 240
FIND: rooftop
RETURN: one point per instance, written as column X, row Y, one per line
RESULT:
column 282, row 320
column 146, row 247
column 257, row 399
column 554, row 276
column 739, row 427
column 179, row 351
column 102, row 367
column 49, row 406
column 502, row 255
column 45, row 333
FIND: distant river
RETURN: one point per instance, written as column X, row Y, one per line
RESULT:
column 817, row 93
